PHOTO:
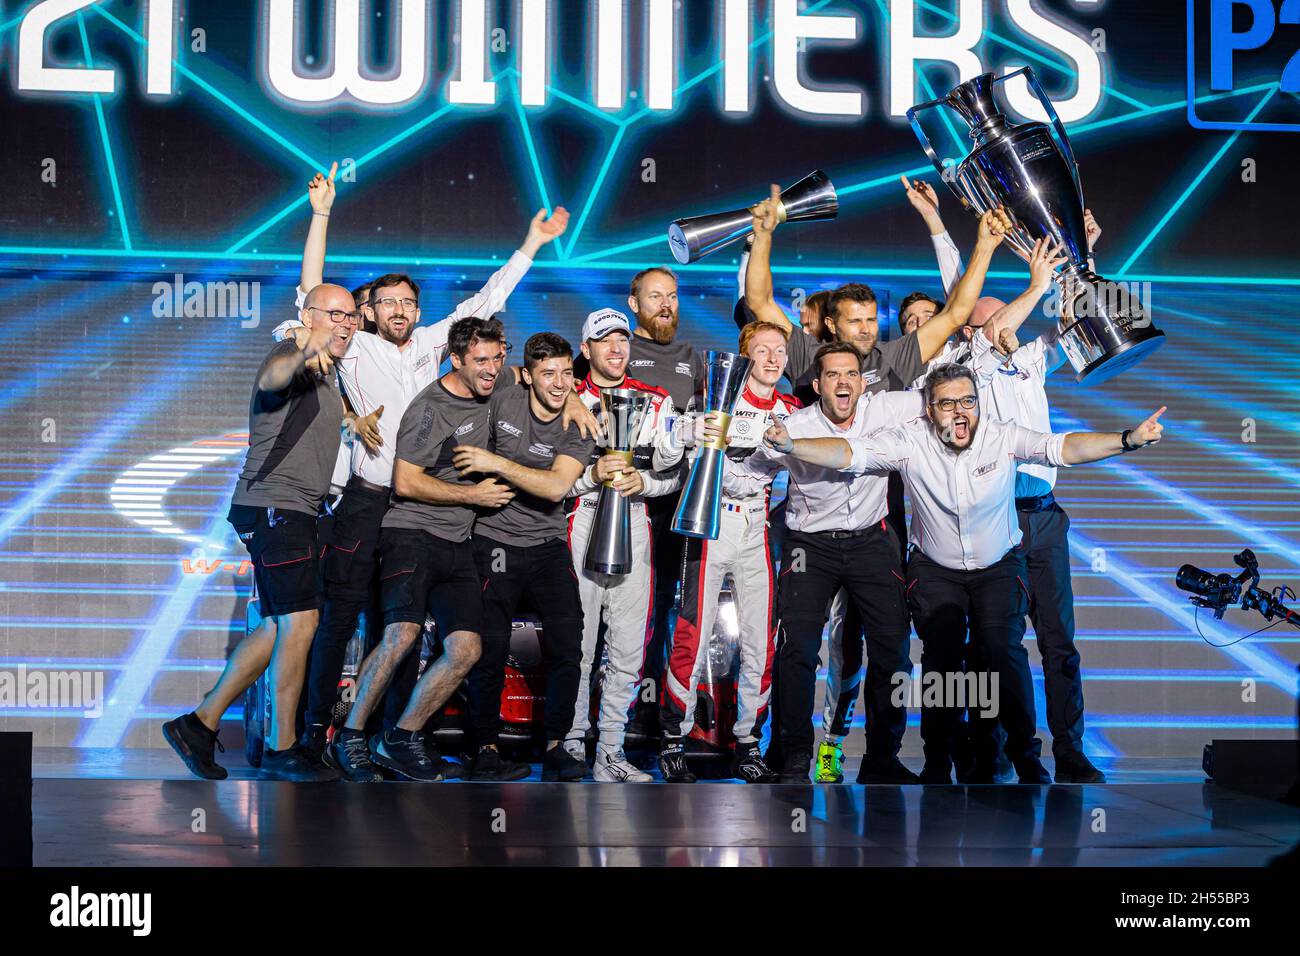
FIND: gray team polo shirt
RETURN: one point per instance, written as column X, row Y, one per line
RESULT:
column 520, row 436
column 891, row 366
column 676, row 368
column 293, row 440
column 435, row 423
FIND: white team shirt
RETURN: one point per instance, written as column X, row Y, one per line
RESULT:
column 963, row 504
column 376, row 372
column 1012, row 389
column 822, row 499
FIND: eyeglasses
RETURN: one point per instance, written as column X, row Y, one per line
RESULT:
column 390, row 302
column 948, row 404
column 337, row 316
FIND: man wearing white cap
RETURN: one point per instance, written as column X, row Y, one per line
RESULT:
column 624, row 600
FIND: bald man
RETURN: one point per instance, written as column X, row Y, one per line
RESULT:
column 294, row 429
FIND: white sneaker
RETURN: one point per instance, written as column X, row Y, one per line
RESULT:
column 612, row 766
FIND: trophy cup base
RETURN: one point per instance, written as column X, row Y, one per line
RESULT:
column 1120, row 358
column 687, row 530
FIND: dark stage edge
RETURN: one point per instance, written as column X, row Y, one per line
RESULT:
column 109, row 808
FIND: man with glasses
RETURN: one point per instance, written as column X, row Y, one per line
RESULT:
column 294, row 425
column 967, row 569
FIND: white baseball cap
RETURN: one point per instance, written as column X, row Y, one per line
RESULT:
column 604, row 321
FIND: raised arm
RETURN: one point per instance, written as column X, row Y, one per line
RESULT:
column 758, row 276
column 994, row 225
column 926, row 203
column 320, row 193
column 491, row 299
column 1080, row 448
column 1043, row 263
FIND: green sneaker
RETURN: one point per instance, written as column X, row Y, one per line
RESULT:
column 830, row 763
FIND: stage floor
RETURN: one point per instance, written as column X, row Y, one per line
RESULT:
column 140, row 808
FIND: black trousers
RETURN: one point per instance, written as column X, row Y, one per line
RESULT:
column 543, row 574
column 1046, row 548
column 669, row 554
column 814, row 567
column 350, row 572
column 991, row 603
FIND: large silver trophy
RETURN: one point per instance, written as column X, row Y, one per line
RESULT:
column 811, row 199
column 699, row 508
column 1035, row 177
column 609, row 550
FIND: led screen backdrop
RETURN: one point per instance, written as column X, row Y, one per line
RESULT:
column 152, row 146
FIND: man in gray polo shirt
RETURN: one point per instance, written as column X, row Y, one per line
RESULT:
column 294, row 429
column 522, row 552
column 426, row 561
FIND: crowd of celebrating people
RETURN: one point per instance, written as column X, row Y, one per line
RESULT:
column 404, row 469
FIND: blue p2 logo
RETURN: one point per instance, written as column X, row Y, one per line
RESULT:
column 1225, row 42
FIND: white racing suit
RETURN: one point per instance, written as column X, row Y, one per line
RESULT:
column 741, row 551
column 626, row 602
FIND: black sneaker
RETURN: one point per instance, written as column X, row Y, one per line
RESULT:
column 747, row 764
column 937, row 773
column 488, row 765
column 315, row 738
column 560, row 765
column 450, row 769
column 672, row 762
column 1030, row 770
column 1074, row 767
column 351, row 756
column 796, row 766
column 194, row 744
column 889, row 771
column 406, row 756
column 297, row 764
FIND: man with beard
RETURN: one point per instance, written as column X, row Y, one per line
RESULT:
column 426, row 559
column 624, row 601
column 381, row 373
column 293, row 438
column 522, row 553
column 741, row 550
column 967, row 570
column 659, row 359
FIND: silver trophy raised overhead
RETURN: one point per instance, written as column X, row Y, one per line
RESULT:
column 700, row 506
column 1035, row 177
column 811, row 199
column 609, row 550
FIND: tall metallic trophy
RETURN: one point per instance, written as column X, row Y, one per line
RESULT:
column 701, row 502
column 1036, row 178
column 609, row 550
column 811, row 199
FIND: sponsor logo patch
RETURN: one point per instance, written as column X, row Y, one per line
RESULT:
column 983, row 470
column 509, row 429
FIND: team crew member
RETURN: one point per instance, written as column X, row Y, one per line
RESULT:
column 625, row 601
column 381, row 374
column 1011, row 381
column 740, row 550
column 852, row 316
column 967, row 570
column 522, row 553
column 294, row 421
column 426, row 560
column 1013, row 389
column 657, row 357
column 837, row 538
